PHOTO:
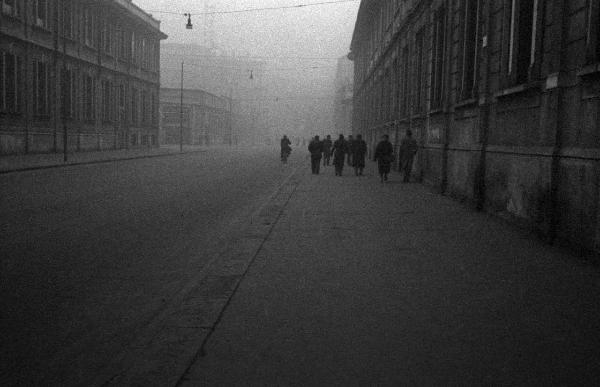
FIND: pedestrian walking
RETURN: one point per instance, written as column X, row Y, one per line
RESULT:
column 350, row 141
column 286, row 148
column 408, row 150
column 327, row 144
column 316, row 151
column 384, row 155
column 340, row 148
column 359, row 152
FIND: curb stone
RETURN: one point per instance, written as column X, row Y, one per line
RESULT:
column 101, row 161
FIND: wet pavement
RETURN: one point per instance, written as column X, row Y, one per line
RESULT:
column 231, row 269
column 367, row 284
column 93, row 255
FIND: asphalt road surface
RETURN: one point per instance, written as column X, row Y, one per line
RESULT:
column 90, row 254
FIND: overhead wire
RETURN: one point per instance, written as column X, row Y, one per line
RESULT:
column 246, row 57
column 253, row 9
column 271, row 69
column 248, row 68
column 257, row 70
column 283, row 99
column 259, row 10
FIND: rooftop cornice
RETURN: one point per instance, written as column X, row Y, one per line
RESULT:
column 139, row 14
column 362, row 9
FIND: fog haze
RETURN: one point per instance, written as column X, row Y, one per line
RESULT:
column 298, row 46
column 319, row 31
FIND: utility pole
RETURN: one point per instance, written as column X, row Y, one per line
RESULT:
column 181, row 113
column 188, row 26
column 231, row 115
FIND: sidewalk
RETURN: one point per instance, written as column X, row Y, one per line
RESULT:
column 364, row 284
column 15, row 163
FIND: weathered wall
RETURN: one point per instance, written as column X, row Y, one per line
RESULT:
column 26, row 130
column 525, row 143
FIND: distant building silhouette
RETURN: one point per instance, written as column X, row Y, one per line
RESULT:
column 207, row 118
column 344, row 81
column 222, row 75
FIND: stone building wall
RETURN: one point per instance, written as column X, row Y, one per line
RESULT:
column 85, row 68
column 503, row 97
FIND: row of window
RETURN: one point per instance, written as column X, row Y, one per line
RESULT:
column 12, row 7
column 405, row 80
column 424, row 58
column 81, row 23
column 142, row 105
column 10, row 98
column 143, row 139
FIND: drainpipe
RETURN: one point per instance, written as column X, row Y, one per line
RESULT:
column 26, row 82
column 559, row 107
column 407, row 93
column 447, row 86
column 55, row 100
column 484, row 115
column 64, row 98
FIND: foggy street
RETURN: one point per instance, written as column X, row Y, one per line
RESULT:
column 227, row 267
column 92, row 253
column 437, row 221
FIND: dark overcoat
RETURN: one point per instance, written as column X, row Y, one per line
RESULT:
column 340, row 148
column 359, row 152
column 384, row 155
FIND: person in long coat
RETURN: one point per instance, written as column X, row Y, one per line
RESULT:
column 359, row 151
column 285, row 147
column 340, row 148
column 384, row 155
column 316, row 151
column 327, row 144
column 408, row 150
column 350, row 141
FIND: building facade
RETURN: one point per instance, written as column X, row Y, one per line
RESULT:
column 503, row 97
column 344, row 81
column 77, row 73
column 202, row 119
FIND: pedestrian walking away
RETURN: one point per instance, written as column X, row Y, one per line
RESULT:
column 315, row 147
column 286, row 148
column 359, row 152
column 350, row 141
column 327, row 144
column 408, row 150
column 384, row 155
column 340, row 148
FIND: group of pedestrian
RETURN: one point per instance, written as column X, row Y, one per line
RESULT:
column 343, row 150
column 353, row 151
column 384, row 155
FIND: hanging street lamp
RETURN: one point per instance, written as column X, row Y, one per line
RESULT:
column 189, row 24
